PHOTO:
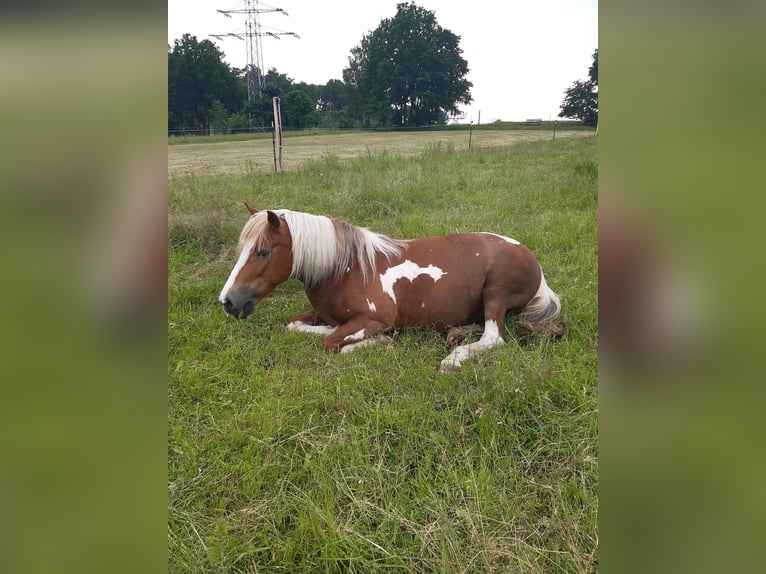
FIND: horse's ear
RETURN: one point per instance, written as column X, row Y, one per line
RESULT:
column 273, row 220
column 250, row 209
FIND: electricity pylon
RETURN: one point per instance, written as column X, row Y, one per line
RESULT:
column 252, row 35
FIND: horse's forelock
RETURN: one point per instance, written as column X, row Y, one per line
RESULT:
column 256, row 231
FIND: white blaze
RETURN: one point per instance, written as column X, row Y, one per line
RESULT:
column 406, row 270
column 243, row 257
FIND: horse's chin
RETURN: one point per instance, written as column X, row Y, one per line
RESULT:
column 247, row 308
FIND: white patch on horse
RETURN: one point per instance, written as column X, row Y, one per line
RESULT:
column 243, row 257
column 371, row 305
column 407, row 270
column 503, row 237
column 490, row 338
column 301, row 327
column 358, row 336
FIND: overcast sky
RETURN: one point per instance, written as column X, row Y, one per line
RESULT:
column 521, row 55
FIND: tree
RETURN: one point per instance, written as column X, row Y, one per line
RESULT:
column 593, row 70
column 581, row 100
column 218, row 117
column 298, row 110
column 409, row 71
column 276, row 83
column 336, row 104
column 197, row 77
column 332, row 96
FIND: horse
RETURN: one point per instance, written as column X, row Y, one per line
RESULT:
column 363, row 284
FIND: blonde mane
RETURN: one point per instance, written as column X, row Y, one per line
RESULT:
column 322, row 246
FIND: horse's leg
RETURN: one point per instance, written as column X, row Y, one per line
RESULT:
column 456, row 334
column 307, row 323
column 357, row 332
column 491, row 337
column 365, row 343
column 494, row 324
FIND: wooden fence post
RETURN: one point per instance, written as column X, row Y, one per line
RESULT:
column 277, row 134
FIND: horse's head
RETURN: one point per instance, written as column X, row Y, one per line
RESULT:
column 265, row 261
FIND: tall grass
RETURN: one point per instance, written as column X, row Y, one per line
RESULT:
column 283, row 457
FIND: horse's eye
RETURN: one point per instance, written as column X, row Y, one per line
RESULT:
column 262, row 253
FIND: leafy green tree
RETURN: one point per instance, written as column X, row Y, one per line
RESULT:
column 197, row 77
column 276, row 83
column 260, row 111
column 581, row 100
column 593, row 70
column 333, row 103
column 218, row 117
column 332, row 96
column 351, row 77
column 298, row 110
column 409, row 71
column 237, row 122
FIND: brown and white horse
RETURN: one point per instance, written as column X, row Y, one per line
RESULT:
column 362, row 284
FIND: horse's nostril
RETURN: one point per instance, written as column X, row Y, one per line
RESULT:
column 227, row 305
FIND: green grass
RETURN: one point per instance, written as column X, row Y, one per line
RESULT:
column 286, row 458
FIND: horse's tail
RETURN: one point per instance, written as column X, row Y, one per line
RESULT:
column 541, row 313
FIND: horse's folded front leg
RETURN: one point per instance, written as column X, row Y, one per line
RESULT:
column 309, row 322
column 356, row 333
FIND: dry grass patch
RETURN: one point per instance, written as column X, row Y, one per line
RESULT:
column 257, row 155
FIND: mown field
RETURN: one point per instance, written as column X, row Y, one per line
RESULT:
column 254, row 153
column 283, row 457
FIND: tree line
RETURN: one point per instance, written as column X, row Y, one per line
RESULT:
column 408, row 72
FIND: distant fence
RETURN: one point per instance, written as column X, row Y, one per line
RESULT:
column 530, row 124
column 215, row 132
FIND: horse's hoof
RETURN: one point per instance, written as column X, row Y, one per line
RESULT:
column 448, row 367
column 458, row 334
column 452, row 340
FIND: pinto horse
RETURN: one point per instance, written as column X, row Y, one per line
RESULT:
column 362, row 284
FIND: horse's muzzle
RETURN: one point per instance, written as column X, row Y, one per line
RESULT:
column 240, row 310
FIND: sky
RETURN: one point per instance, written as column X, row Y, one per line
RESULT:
column 522, row 54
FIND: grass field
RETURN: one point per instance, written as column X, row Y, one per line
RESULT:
column 283, row 457
column 248, row 153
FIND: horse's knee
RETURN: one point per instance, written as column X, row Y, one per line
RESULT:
column 332, row 344
column 353, row 334
column 337, row 341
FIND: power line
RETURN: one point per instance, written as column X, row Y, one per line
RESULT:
column 254, row 73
